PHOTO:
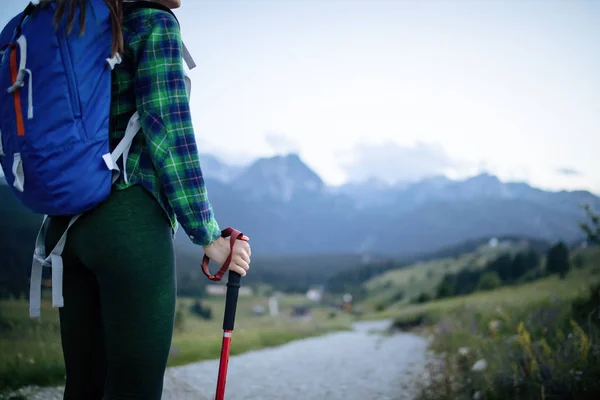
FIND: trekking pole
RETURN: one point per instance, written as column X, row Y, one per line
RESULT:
column 233, row 288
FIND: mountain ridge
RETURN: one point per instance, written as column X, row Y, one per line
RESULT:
column 286, row 208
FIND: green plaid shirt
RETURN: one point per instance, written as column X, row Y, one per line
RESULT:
column 163, row 157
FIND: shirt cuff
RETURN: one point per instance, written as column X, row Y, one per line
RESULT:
column 205, row 235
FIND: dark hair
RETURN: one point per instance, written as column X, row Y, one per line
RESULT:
column 116, row 16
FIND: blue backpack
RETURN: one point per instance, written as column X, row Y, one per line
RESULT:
column 55, row 97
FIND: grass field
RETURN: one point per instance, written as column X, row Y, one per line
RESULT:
column 536, row 340
column 544, row 290
column 398, row 287
column 32, row 354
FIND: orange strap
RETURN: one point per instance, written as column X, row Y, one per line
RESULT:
column 234, row 235
column 14, row 71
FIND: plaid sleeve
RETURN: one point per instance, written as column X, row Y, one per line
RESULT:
column 165, row 118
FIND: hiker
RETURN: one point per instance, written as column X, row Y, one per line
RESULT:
column 118, row 276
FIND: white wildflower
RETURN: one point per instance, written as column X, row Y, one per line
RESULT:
column 479, row 366
column 495, row 324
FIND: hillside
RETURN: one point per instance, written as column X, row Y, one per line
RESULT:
column 514, row 341
column 304, row 232
column 403, row 285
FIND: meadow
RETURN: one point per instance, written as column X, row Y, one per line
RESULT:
column 535, row 340
column 399, row 287
column 32, row 354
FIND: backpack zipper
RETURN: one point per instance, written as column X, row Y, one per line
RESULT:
column 68, row 63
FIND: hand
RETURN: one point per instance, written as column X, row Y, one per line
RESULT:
column 219, row 250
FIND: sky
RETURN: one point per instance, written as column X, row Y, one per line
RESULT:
column 399, row 90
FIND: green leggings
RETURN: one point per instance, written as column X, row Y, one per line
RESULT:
column 119, row 291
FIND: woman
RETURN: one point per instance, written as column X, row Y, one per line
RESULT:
column 119, row 283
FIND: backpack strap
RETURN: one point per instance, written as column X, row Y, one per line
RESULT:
column 27, row 12
column 122, row 149
column 131, row 6
column 53, row 260
column 187, row 57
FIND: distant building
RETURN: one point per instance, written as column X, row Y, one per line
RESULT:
column 273, row 306
column 314, row 295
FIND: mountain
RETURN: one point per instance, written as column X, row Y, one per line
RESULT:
column 213, row 168
column 279, row 178
column 287, row 209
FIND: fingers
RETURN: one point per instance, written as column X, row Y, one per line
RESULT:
column 240, row 261
column 244, row 265
column 244, row 257
column 240, row 266
column 243, row 249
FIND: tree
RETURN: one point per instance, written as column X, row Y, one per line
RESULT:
column 557, row 260
column 503, row 265
column 578, row 261
column 489, row 280
column 422, row 298
column 201, row 311
column 524, row 262
column 446, row 288
column 591, row 229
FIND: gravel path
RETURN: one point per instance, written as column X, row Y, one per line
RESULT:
column 354, row 365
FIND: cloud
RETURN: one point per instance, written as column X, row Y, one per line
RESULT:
column 568, row 172
column 282, row 144
column 394, row 163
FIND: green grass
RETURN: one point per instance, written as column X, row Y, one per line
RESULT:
column 251, row 332
column 535, row 342
column 545, row 289
column 424, row 277
column 32, row 354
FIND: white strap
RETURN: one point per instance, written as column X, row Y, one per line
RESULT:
column 19, row 82
column 18, row 173
column 187, row 57
column 122, row 149
column 57, row 280
column 133, row 127
column 188, row 86
column 116, row 59
column 1, row 146
column 55, row 261
column 35, row 285
column 30, row 97
column 35, row 289
column 22, row 41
